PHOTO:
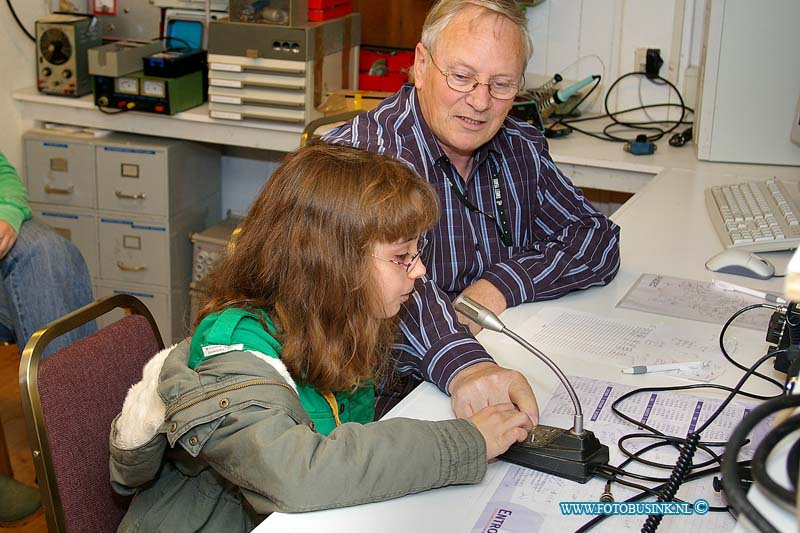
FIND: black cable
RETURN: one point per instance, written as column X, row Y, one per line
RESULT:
column 107, row 112
column 637, row 497
column 666, row 81
column 631, row 110
column 793, row 463
column 618, row 470
column 730, row 359
column 574, row 107
column 19, row 22
column 683, row 470
column 612, row 476
column 681, row 138
column 730, row 479
column 168, row 38
column 768, row 443
column 600, row 135
column 637, row 126
column 732, row 393
column 603, row 474
column 666, row 440
column 683, row 466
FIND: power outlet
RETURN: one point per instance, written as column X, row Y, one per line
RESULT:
column 648, row 60
column 640, row 59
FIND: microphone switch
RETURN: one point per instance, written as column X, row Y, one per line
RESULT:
column 559, row 452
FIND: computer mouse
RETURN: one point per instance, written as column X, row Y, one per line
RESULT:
column 741, row 263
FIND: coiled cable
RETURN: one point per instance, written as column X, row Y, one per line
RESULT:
column 682, row 468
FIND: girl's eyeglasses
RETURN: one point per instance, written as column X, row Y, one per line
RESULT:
column 414, row 258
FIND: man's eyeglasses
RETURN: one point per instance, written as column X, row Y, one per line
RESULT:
column 466, row 83
column 412, row 262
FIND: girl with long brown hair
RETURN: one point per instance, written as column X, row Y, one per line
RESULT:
column 269, row 405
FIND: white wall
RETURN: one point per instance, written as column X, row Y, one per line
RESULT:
column 17, row 70
column 563, row 31
column 577, row 38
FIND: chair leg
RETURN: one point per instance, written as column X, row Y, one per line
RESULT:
column 5, row 460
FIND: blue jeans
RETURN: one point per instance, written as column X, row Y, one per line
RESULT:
column 43, row 278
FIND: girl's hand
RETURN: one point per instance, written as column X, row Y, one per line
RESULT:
column 501, row 426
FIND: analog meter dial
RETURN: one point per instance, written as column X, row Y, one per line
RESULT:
column 154, row 88
column 127, row 85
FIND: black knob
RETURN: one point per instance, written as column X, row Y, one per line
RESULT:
column 46, row 71
column 67, row 73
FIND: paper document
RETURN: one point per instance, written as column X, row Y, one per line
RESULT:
column 525, row 500
column 694, row 300
column 624, row 342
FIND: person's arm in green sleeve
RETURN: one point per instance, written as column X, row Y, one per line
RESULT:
column 14, row 209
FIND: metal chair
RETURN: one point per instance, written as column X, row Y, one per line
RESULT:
column 69, row 401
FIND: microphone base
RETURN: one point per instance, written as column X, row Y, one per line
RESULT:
column 559, row 452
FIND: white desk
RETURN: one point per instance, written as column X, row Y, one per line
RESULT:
column 667, row 207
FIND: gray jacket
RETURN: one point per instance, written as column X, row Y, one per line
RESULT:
column 219, row 448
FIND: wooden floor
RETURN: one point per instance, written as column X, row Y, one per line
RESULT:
column 14, row 428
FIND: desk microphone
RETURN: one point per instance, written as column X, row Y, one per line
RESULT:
column 573, row 454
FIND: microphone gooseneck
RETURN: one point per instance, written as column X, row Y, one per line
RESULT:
column 488, row 320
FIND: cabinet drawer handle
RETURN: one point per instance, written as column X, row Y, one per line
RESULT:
column 130, row 268
column 140, row 196
column 49, row 189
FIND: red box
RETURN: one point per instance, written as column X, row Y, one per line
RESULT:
column 398, row 65
column 318, row 15
column 366, row 58
column 369, row 83
column 392, row 82
column 400, row 61
column 325, row 4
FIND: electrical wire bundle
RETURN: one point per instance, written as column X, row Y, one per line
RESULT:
column 732, row 470
column 652, row 130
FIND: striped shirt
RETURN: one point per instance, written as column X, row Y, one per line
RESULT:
column 560, row 243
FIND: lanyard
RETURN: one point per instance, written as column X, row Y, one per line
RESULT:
column 500, row 221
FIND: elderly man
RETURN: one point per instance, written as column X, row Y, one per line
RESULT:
column 513, row 228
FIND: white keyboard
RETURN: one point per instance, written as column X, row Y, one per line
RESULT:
column 760, row 216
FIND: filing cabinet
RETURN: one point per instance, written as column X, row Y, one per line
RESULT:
column 60, row 168
column 132, row 175
column 139, row 249
column 148, row 195
column 79, row 226
column 161, row 304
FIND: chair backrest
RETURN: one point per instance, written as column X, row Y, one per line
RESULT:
column 310, row 131
column 69, row 401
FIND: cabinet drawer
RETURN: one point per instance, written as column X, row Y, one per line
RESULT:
column 61, row 172
column 78, row 227
column 132, row 180
column 157, row 302
column 134, row 250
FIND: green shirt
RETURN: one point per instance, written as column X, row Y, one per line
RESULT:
column 239, row 330
column 13, row 198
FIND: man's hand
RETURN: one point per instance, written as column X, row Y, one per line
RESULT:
column 484, row 384
column 7, row 238
column 486, row 294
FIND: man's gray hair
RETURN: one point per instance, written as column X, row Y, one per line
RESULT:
column 444, row 11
